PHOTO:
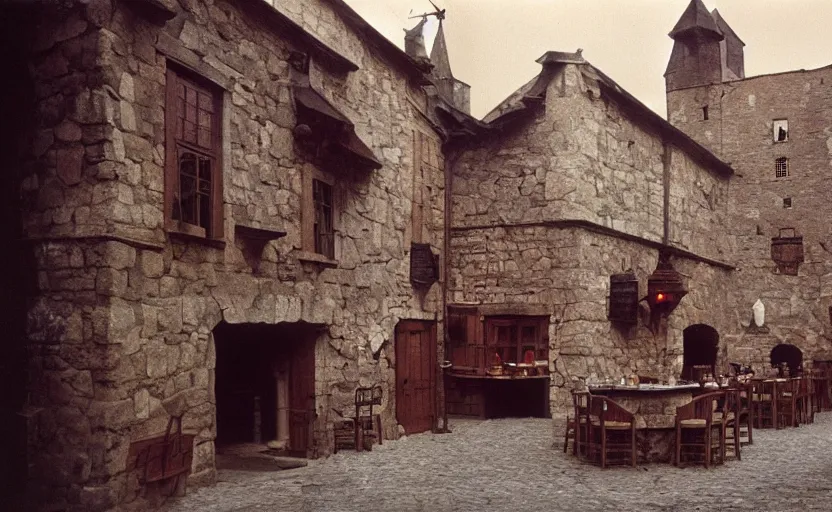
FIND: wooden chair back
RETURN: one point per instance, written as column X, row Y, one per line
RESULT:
column 701, row 407
column 605, row 409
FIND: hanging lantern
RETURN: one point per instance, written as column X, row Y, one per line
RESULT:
column 665, row 287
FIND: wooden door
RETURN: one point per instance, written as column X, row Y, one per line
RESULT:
column 416, row 375
column 301, row 396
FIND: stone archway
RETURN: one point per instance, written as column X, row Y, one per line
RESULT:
column 789, row 354
column 700, row 343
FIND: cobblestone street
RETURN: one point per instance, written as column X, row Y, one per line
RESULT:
column 511, row 465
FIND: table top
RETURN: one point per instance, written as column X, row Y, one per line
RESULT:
column 644, row 388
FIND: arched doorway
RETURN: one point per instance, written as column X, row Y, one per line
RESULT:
column 700, row 348
column 789, row 354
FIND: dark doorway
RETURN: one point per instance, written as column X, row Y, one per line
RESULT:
column 18, row 281
column 789, row 354
column 700, row 345
column 416, row 375
column 265, row 384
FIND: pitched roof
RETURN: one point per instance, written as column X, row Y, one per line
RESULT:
column 696, row 16
column 724, row 27
column 531, row 94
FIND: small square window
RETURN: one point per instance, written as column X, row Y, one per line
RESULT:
column 780, row 129
column 787, row 202
column 781, row 167
column 705, row 113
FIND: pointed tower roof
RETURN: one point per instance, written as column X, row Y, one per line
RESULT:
column 724, row 27
column 696, row 18
column 439, row 55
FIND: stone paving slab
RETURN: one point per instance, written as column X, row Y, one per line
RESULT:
column 511, row 465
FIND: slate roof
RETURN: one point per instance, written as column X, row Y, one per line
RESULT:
column 724, row 27
column 696, row 16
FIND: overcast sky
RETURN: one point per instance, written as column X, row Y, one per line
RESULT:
column 493, row 44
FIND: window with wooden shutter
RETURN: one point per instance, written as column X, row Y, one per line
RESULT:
column 323, row 221
column 193, row 175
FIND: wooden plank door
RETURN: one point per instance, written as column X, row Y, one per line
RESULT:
column 301, row 396
column 416, row 375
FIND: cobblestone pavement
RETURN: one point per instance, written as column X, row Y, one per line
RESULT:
column 511, row 465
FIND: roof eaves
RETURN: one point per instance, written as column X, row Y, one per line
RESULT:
column 372, row 36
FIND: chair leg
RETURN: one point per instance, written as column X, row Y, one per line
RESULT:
column 603, row 448
column 576, row 439
column 380, row 431
column 677, row 454
column 707, row 448
column 566, row 436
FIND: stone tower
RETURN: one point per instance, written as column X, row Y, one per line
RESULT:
column 705, row 51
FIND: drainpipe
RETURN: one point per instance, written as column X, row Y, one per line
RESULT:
column 451, row 159
column 666, row 161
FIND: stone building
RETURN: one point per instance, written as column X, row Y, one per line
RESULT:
column 578, row 182
column 776, row 132
column 237, row 212
column 214, row 203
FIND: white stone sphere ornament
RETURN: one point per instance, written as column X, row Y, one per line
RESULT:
column 759, row 313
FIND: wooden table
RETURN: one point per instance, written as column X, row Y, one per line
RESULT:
column 654, row 407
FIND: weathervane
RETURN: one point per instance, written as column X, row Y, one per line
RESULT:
column 439, row 13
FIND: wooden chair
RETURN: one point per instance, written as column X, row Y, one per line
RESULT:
column 344, row 433
column 763, row 404
column 731, row 416
column 786, row 394
column 746, row 413
column 695, row 427
column 367, row 424
column 805, row 399
column 576, row 425
column 612, row 432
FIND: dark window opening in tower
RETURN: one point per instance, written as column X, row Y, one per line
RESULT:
column 787, row 202
column 705, row 113
column 781, row 130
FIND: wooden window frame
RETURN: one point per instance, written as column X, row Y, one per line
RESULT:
column 308, row 211
column 324, row 208
column 516, row 346
column 173, row 145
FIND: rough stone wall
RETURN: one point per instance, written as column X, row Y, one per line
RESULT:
column 567, row 271
column 739, row 129
column 121, row 330
column 583, row 158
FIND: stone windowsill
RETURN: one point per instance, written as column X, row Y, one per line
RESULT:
column 313, row 257
column 190, row 233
